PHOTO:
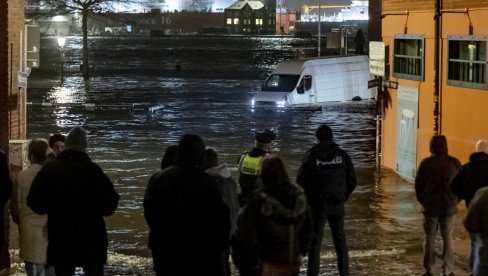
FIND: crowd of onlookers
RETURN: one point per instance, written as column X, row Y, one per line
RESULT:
column 201, row 220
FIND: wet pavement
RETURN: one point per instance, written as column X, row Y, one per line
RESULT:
column 209, row 95
column 390, row 260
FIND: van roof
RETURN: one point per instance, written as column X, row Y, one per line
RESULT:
column 295, row 66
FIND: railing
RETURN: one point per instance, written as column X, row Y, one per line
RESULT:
column 408, row 65
column 471, row 71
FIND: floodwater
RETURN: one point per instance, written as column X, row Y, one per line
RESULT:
column 205, row 85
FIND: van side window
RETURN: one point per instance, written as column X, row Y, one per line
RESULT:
column 305, row 84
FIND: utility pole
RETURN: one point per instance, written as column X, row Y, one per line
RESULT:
column 318, row 35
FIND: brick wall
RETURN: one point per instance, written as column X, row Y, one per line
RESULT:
column 3, row 76
column 462, row 4
column 416, row 5
column 16, row 112
column 410, row 5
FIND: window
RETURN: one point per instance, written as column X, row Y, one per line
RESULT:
column 467, row 61
column 229, row 21
column 259, row 21
column 236, row 21
column 408, row 57
column 281, row 83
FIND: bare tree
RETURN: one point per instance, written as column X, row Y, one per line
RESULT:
column 85, row 7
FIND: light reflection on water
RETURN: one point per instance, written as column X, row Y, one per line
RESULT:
column 210, row 96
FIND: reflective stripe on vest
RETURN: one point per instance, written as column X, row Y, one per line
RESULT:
column 250, row 165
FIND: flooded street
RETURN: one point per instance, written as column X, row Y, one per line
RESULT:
column 204, row 86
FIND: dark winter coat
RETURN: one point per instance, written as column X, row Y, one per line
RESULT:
column 472, row 176
column 76, row 195
column 432, row 185
column 274, row 226
column 327, row 175
column 5, row 193
column 228, row 189
column 188, row 220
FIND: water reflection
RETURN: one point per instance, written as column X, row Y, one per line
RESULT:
column 210, row 96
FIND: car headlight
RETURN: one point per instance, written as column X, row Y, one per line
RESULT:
column 281, row 103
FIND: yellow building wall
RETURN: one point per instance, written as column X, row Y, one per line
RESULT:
column 463, row 111
column 415, row 24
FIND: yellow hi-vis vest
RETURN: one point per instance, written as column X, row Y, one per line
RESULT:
column 250, row 165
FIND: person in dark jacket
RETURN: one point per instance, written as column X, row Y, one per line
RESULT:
column 275, row 227
column 169, row 156
column 327, row 175
column 167, row 160
column 228, row 190
column 5, row 195
column 57, row 143
column 188, row 220
column 250, row 163
column 472, row 175
column 476, row 222
column 75, row 194
column 470, row 178
column 439, row 204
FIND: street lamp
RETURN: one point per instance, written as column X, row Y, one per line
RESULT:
column 61, row 42
column 318, row 31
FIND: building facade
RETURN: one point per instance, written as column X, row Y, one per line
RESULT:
column 12, row 77
column 436, row 51
column 251, row 17
column 13, row 82
column 285, row 21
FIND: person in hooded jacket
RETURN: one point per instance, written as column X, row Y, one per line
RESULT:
column 471, row 177
column 439, row 204
column 5, row 194
column 250, row 163
column 275, row 227
column 328, row 177
column 76, row 195
column 228, row 189
column 188, row 220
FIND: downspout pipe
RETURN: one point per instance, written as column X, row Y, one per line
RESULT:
column 437, row 37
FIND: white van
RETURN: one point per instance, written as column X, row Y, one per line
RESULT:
column 307, row 83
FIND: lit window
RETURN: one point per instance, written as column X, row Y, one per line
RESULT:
column 467, row 61
column 229, row 21
column 408, row 57
column 236, row 21
column 259, row 21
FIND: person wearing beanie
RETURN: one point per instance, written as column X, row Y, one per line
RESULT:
column 249, row 164
column 327, row 175
column 439, row 204
column 189, row 223
column 76, row 140
column 57, row 143
column 75, row 194
column 471, row 177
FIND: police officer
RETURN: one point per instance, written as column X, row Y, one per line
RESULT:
column 327, row 175
column 250, row 163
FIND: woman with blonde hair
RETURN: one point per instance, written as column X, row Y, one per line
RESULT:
column 32, row 227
